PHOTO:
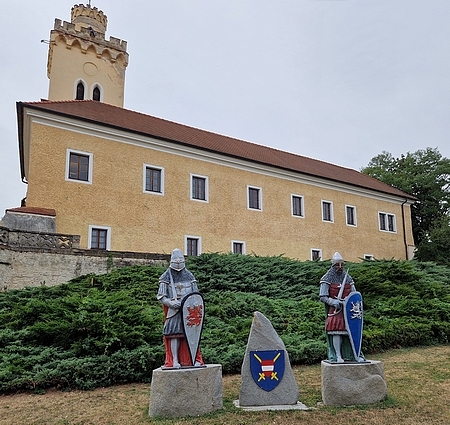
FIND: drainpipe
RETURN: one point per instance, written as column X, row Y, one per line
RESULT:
column 404, row 228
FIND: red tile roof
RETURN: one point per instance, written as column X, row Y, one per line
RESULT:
column 135, row 122
column 33, row 210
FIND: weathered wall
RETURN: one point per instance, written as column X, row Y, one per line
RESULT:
column 33, row 265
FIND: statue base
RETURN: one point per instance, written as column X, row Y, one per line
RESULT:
column 345, row 384
column 186, row 392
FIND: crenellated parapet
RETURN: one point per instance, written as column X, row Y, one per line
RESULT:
column 87, row 37
column 90, row 17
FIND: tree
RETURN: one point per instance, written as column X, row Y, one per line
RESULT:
column 426, row 175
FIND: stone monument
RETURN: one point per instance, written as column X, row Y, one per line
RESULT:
column 347, row 377
column 268, row 382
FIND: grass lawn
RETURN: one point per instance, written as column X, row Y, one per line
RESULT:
column 418, row 383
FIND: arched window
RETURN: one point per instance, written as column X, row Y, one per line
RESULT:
column 96, row 94
column 80, row 91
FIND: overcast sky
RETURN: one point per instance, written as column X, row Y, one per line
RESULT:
column 336, row 80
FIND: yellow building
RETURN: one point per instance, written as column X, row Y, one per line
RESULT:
column 126, row 181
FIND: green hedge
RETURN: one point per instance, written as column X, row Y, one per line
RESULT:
column 106, row 329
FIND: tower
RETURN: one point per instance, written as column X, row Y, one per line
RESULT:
column 81, row 63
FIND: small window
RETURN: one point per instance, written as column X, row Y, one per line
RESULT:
column 254, row 198
column 199, row 188
column 80, row 91
column 387, row 222
column 99, row 237
column 238, row 247
column 96, row 94
column 316, row 254
column 153, row 179
column 327, row 211
column 350, row 214
column 193, row 245
column 368, row 257
column 297, row 205
column 79, row 166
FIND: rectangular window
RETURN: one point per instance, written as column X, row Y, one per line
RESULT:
column 153, row 179
column 316, row 254
column 350, row 214
column 254, row 198
column 193, row 245
column 297, row 205
column 238, row 247
column 387, row 222
column 99, row 237
column 327, row 211
column 199, row 188
column 78, row 166
column 368, row 257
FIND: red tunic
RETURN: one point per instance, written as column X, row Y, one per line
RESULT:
column 335, row 322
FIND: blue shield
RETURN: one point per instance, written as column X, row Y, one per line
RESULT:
column 353, row 314
column 267, row 368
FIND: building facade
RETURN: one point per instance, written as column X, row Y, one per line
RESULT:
column 126, row 181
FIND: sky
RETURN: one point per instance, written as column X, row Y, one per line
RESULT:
column 336, row 80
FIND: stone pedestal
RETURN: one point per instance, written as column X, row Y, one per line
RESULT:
column 346, row 384
column 186, row 392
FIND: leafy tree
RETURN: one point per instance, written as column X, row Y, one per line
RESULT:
column 426, row 175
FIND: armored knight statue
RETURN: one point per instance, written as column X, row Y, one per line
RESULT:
column 175, row 284
column 336, row 286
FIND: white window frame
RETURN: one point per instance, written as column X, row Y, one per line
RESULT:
column 331, row 211
column 319, row 250
column 91, row 161
column 75, row 85
column 354, row 216
column 368, row 257
column 206, row 179
column 91, row 93
column 199, row 243
column 244, row 248
column 386, row 215
column 302, row 205
column 155, row 167
column 259, row 198
column 108, row 235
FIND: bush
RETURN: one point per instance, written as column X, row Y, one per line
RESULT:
column 100, row 330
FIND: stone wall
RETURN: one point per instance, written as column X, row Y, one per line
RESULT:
column 35, row 261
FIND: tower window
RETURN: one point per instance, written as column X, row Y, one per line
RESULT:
column 80, row 91
column 96, row 94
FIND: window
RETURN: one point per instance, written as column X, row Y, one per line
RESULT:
column 96, row 94
column 350, row 214
column 99, row 237
column 199, row 188
column 387, row 222
column 297, row 205
column 368, row 257
column 79, row 166
column 238, row 247
column 327, row 211
column 316, row 254
column 193, row 245
column 79, row 95
column 254, row 198
column 153, row 179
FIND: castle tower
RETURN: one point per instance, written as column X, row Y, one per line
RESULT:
column 81, row 63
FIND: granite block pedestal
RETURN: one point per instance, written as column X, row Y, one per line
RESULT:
column 186, row 392
column 346, row 384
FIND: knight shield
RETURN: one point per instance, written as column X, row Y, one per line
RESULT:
column 353, row 315
column 267, row 368
column 193, row 313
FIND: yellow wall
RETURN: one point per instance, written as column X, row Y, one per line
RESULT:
column 67, row 64
column 153, row 223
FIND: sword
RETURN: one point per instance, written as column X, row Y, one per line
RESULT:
column 172, row 311
column 339, row 296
